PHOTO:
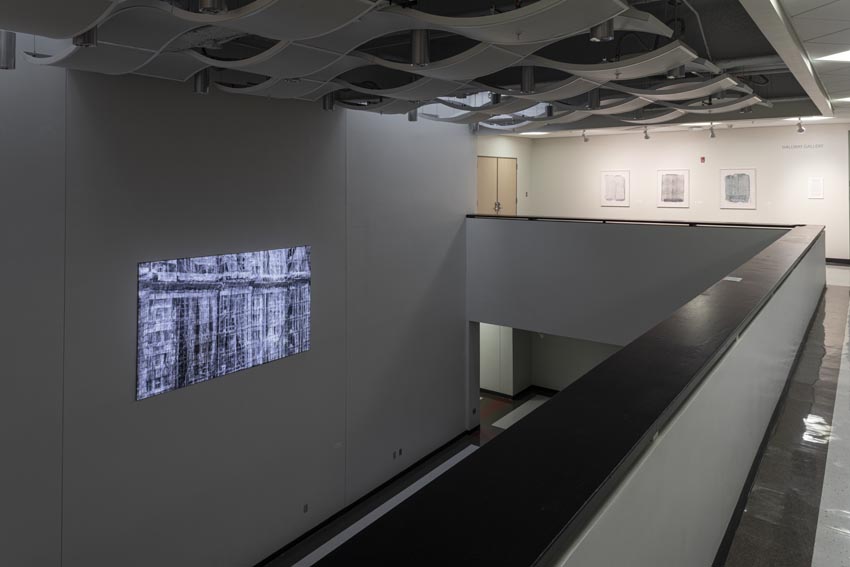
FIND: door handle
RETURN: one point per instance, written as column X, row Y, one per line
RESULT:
column 497, row 207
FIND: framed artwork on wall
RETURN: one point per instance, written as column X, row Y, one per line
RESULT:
column 737, row 188
column 674, row 188
column 615, row 188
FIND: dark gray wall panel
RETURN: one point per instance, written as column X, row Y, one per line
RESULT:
column 606, row 283
column 410, row 186
column 216, row 474
column 32, row 225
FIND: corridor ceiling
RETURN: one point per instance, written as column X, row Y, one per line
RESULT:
column 507, row 66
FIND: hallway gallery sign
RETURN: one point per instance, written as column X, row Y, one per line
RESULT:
column 802, row 147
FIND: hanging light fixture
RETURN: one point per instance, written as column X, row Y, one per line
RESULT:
column 495, row 98
column 7, row 49
column 800, row 128
column 584, row 136
column 413, row 115
column 550, row 111
column 87, row 38
column 602, row 32
column 201, row 82
column 329, row 101
column 527, row 80
column 420, row 53
column 212, row 6
column 645, row 133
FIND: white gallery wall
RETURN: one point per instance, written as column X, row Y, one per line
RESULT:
column 227, row 471
column 566, row 176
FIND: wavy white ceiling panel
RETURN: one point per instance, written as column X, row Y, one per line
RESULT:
column 568, row 88
column 648, row 64
column 423, row 89
column 284, row 60
column 106, row 59
column 282, row 88
column 478, row 61
column 719, row 106
column 171, row 66
column 685, row 90
column 657, row 119
column 296, row 19
column 639, row 21
column 543, row 21
column 141, row 27
column 388, row 106
column 60, row 19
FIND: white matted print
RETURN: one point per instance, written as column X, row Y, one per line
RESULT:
column 815, row 188
column 737, row 188
column 615, row 189
column 674, row 188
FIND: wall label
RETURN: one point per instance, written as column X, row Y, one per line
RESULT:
column 795, row 147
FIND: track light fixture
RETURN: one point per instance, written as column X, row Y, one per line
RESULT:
column 420, row 52
column 329, row 101
column 800, row 127
column 584, row 136
column 212, row 6
column 645, row 133
column 594, row 99
column 495, row 98
column 413, row 115
column 201, row 82
column 602, row 32
column 550, row 111
column 711, row 131
column 677, row 73
column 87, row 38
column 7, row 49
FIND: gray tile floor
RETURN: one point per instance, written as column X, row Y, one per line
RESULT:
column 780, row 521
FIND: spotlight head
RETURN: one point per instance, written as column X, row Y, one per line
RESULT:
column 711, row 132
column 413, row 115
column 800, row 127
column 645, row 133
column 495, row 98
column 584, row 136
column 329, row 101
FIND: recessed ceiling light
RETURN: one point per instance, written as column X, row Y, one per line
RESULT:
column 808, row 118
column 533, row 133
column 842, row 56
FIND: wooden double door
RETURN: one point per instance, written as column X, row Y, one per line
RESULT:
column 497, row 181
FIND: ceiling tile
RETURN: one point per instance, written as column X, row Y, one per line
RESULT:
column 796, row 7
column 811, row 29
column 838, row 10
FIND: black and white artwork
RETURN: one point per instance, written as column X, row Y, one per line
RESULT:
column 737, row 188
column 201, row 318
column 674, row 188
column 615, row 188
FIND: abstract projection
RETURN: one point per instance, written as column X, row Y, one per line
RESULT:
column 201, row 318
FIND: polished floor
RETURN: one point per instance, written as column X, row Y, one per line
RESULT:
column 779, row 527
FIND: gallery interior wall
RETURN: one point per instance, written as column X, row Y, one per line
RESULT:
column 566, row 176
column 227, row 471
column 32, row 203
column 615, row 281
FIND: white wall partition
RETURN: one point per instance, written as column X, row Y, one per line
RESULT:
column 607, row 283
column 225, row 472
column 675, row 504
column 566, row 176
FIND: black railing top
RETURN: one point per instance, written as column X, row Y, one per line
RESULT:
column 637, row 221
column 538, row 484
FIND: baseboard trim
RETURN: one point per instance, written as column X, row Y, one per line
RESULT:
column 359, row 501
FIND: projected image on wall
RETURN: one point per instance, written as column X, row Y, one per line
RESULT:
column 201, row 318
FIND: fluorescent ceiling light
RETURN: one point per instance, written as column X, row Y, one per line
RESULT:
column 533, row 133
column 704, row 123
column 843, row 56
column 808, row 118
